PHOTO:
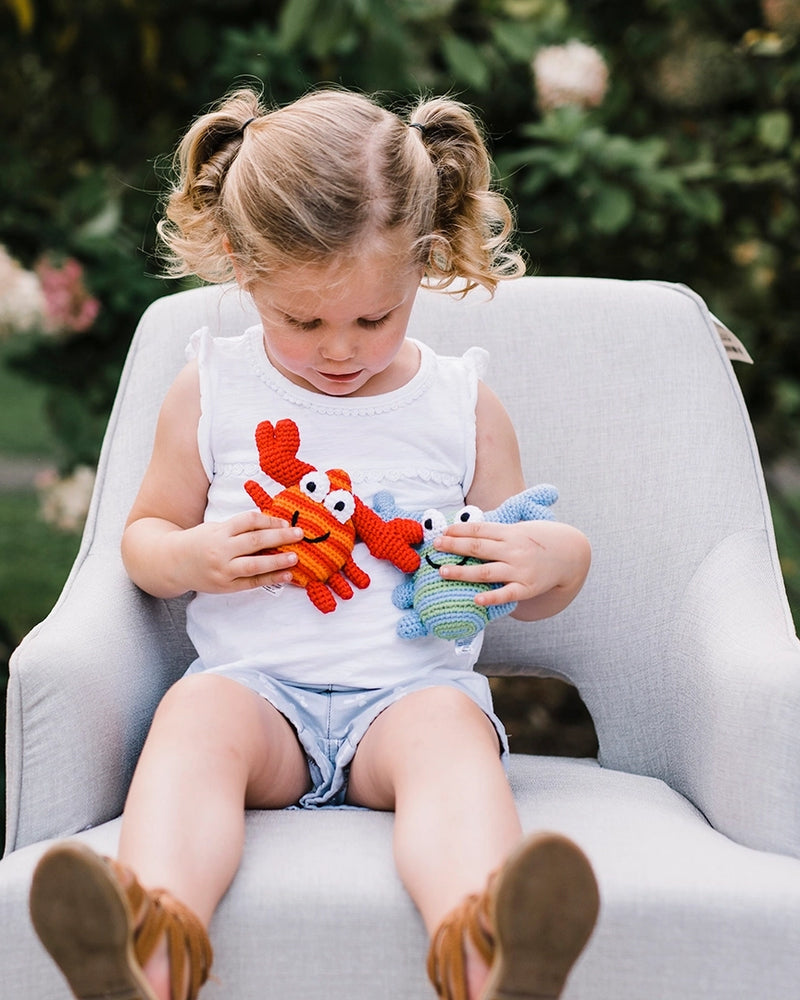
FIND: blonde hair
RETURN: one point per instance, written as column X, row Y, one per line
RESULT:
column 328, row 174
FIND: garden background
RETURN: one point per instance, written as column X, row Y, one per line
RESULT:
column 639, row 139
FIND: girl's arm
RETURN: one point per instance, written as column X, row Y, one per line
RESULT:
column 541, row 564
column 166, row 547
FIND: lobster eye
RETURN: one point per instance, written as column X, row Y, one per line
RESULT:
column 341, row 504
column 433, row 524
column 470, row 513
column 315, row 485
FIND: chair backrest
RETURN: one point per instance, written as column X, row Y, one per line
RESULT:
column 623, row 397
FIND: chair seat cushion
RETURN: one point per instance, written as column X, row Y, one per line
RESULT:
column 317, row 911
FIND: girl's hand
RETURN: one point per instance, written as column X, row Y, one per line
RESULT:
column 228, row 556
column 540, row 564
column 213, row 557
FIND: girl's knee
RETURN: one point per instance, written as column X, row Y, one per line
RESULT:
column 447, row 707
column 441, row 723
column 197, row 702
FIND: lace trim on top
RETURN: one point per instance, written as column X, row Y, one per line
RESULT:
column 251, row 470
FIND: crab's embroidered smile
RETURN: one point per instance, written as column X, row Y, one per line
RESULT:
column 321, row 538
column 446, row 561
column 311, row 541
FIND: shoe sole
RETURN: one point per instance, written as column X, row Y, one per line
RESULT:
column 544, row 908
column 83, row 919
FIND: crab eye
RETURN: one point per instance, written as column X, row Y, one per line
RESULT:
column 341, row 504
column 315, row 485
column 433, row 524
column 470, row 513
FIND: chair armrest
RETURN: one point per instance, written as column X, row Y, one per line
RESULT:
column 82, row 689
column 732, row 697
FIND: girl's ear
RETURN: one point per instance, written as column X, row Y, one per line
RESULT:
column 228, row 248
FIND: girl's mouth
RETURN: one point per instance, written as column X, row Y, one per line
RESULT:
column 346, row 377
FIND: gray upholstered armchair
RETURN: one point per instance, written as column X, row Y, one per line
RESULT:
column 681, row 645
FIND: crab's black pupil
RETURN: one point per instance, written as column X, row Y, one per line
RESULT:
column 428, row 524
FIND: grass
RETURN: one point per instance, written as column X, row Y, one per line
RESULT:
column 24, row 430
column 35, row 564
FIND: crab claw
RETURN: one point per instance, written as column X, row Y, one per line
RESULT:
column 277, row 452
column 391, row 540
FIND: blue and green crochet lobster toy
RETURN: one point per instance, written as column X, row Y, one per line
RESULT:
column 447, row 608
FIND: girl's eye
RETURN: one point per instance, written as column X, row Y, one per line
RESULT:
column 468, row 513
column 433, row 524
column 302, row 324
column 341, row 504
column 315, row 485
column 373, row 324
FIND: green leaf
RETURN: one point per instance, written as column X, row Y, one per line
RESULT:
column 465, row 61
column 334, row 30
column 515, row 40
column 101, row 118
column 774, row 129
column 612, row 209
column 425, row 10
column 707, row 206
column 296, row 18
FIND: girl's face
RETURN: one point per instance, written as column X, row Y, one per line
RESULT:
column 340, row 328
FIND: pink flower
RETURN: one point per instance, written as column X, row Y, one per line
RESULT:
column 573, row 74
column 69, row 308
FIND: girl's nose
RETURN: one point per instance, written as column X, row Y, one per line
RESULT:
column 338, row 345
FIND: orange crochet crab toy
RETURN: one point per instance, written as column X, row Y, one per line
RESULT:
column 331, row 516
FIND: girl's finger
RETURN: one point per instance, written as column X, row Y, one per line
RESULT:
column 251, row 542
column 486, row 548
column 254, row 520
column 480, row 572
column 477, row 529
column 252, row 568
column 506, row 594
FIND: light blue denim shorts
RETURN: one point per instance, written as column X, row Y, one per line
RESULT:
column 331, row 721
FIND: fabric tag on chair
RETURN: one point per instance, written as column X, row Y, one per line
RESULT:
column 734, row 348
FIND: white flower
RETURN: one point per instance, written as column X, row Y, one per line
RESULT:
column 570, row 74
column 64, row 502
column 22, row 302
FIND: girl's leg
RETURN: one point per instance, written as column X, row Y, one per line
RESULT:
column 434, row 758
column 214, row 748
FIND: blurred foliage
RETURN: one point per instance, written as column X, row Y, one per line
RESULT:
column 686, row 170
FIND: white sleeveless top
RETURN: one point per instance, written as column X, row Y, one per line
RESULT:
column 417, row 441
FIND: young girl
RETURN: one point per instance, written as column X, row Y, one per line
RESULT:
column 329, row 212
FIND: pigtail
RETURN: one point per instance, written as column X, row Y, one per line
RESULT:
column 472, row 223
column 318, row 179
column 193, row 229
